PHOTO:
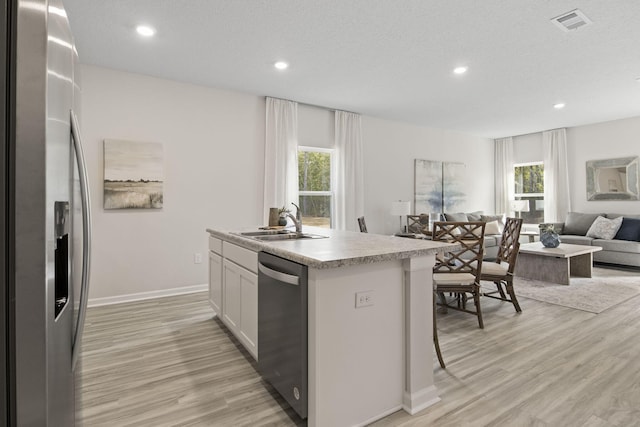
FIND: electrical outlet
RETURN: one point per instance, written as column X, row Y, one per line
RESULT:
column 197, row 258
column 364, row 299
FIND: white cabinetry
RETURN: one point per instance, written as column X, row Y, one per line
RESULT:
column 215, row 274
column 240, row 309
column 233, row 290
column 215, row 282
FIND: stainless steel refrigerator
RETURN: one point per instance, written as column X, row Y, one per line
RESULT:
column 44, row 216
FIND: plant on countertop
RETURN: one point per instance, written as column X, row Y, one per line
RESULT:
column 282, row 212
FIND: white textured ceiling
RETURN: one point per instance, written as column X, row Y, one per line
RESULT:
column 391, row 59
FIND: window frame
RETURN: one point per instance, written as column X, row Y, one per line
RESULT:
column 528, row 196
column 332, row 178
column 519, row 165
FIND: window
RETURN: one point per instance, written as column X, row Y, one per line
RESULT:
column 315, row 184
column 529, row 186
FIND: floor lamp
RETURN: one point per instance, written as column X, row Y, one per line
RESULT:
column 400, row 208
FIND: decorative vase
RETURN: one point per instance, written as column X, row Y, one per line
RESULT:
column 274, row 217
column 282, row 221
column 549, row 237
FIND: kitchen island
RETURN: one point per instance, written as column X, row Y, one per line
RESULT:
column 363, row 362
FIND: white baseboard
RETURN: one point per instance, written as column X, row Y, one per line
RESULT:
column 417, row 401
column 95, row 302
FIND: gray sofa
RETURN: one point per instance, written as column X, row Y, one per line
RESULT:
column 623, row 249
column 420, row 223
column 491, row 241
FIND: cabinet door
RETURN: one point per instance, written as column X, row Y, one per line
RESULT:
column 215, row 282
column 240, row 307
column 231, row 296
column 249, row 311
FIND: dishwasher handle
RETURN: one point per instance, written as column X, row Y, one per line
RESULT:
column 279, row 276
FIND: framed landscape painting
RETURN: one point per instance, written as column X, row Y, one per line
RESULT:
column 133, row 175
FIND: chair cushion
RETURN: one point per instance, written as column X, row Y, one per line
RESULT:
column 453, row 279
column 578, row 223
column 629, row 230
column 495, row 269
column 603, row 228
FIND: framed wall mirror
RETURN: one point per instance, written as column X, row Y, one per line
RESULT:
column 613, row 179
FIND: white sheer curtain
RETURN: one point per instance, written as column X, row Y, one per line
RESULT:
column 281, row 155
column 349, row 193
column 504, row 178
column 556, row 175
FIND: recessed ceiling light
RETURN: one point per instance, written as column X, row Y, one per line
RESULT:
column 281, row 65
column 145, row 30
column 460, row 70
column 558, row 106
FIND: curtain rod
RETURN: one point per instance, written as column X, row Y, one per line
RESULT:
column 530, row 133
column 314, row 105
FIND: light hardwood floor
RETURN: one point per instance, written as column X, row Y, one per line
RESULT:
column 166, row 362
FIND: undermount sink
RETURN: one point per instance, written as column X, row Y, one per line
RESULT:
column 265, row 233
column 275, row 235
column 290, row 236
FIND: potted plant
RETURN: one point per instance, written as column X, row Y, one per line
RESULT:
column 282, row 212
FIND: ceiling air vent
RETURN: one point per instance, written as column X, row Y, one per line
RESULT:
column 571, row 20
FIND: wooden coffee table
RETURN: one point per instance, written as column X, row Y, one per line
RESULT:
column 555, row 265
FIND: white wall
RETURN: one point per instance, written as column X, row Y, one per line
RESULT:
column 390, row 149
column 607, row 140
column 214, row 160
column 213, row 149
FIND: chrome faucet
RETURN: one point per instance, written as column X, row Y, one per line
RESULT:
column 297, row 220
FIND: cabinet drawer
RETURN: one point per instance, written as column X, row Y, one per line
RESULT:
column 241, row 256
column 215, row 245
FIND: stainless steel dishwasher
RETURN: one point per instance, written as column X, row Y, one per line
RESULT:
column 282, row 328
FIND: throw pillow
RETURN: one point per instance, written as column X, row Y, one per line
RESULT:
column 492, row 227
column 578, row 223
column 474, row 216
column 615, row 215
column 456, row 217
column 489, row 218
column 630, row 230
column 603, row 228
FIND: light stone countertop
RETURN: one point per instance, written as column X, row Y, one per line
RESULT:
column 341, row 248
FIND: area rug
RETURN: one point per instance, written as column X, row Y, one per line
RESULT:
column 606, row 289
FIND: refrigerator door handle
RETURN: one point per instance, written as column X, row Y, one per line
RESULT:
column 86, row 237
